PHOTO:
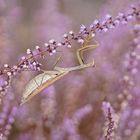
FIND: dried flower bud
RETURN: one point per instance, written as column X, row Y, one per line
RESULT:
column 46, row 44
column 69, row 46
column 108, row 16
column 6, row 65
column 9, row 73
column 96, row 22
column 37, row 47
column 80, row 41
column 28, row 51
column 65, row 36
column 71, row 33
column 59, row 44
column 52, row 41
column 82, row 28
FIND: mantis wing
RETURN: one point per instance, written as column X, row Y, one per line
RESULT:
column 39, row 83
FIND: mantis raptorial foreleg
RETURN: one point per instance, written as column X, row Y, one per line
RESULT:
column 83, row 49
column 79, row 54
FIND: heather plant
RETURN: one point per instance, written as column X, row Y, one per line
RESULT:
column 94, row 103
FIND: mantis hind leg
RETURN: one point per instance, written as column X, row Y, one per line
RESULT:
column 81, row 50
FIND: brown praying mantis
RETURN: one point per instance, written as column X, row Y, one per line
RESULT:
column 47, row 78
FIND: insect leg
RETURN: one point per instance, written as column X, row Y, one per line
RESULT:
column 83, row 49
column 80, row 59
column 58, row 59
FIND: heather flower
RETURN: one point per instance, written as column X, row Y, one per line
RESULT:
column 112, row 121
column 130, row 99
column 95, row 27
column 7, row 104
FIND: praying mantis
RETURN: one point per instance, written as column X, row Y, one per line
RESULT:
column 47, row 78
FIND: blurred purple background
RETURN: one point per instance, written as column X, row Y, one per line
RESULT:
column 73, row 108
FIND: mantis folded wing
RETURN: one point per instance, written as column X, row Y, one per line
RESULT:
column 47, row 78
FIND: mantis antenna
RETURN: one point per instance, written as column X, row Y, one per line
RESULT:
column 47, row 78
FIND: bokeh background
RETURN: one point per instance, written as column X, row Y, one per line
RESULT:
column 72, row 108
